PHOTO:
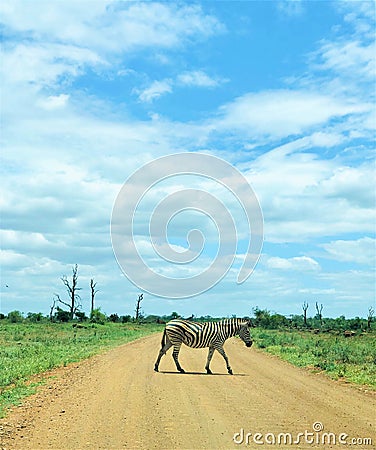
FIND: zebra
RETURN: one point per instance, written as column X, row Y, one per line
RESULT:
column 201, row 335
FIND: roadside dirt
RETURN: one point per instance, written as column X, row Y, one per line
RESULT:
column 116, row 400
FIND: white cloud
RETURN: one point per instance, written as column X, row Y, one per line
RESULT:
column 348, row 183
column 360, row 15
column 11, row 259
column 303, row 195
column 360, row 251
column 353, row 289
column 324, row 139
column 46, row 44
column 350, row 59
column 281, row 113
column 160, row 87
column 343, row 68
column 297, row 263
column 155, row 90
column 109, row 26
column 198, row 78
column 45, row 63
column 54, row 102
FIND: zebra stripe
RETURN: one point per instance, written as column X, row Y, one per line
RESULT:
column 201, row 335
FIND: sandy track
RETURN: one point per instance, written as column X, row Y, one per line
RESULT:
column 115, row 401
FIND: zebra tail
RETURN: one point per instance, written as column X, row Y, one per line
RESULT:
column 163, row 342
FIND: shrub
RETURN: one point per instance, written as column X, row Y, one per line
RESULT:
column 97, row 316
column 15, row 317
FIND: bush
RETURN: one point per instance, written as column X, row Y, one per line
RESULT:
column 125, row 319
column 114, row 318
column 34, row 317
column 264, row 319
column 61, row 315
column 97, row 316
column 15, row 317
column 81, row 316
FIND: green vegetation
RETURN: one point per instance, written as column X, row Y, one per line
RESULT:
column 350, row 358
column 27, row 349
column 33, row 344
column 273, row 321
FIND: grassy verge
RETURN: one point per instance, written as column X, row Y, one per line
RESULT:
column 352, row 359
column 29, row 349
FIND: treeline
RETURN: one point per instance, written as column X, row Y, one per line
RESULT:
column 63, row 316
column 261, row 318
column 69, row 309
column 265, row 319
column 96, row 316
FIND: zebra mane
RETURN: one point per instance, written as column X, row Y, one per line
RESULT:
column 234, row 321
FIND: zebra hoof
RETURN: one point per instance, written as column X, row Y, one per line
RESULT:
column 155, row 369
column 181, row 370
column 209, row 372
column 230, row 372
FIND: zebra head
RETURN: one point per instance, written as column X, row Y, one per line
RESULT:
column 244, row 333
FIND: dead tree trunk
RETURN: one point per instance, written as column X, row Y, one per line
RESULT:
column 305, row 308
column 138, row 307
column 93, row 292
column 52, row 309
column 319, row 312
column 72, row 289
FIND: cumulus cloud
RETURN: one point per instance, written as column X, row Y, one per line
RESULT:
column 303, row 195
column 297, row 263
column 63, row 39
column 109, row 26
column 348, row 183
column 283, row 112
column 44, row 63
column 359, row 251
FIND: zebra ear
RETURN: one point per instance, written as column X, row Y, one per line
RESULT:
column 248, row 322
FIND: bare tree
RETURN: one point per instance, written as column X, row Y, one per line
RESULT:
column 371, row 312
column 138, row 307
column 93, row 292
column 319, row 312
column 305, row 308
column 72, row 288
column 52, row 309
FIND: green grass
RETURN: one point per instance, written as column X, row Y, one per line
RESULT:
column 30, row 349
column 352, row 359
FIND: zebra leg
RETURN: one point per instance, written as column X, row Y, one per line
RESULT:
column 161, row 353
column 210, row 355
column 175, row 355
column 222, row 352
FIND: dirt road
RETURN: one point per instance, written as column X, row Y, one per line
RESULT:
column 116, row 401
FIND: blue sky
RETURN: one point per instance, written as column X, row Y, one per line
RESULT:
column 284, row 91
